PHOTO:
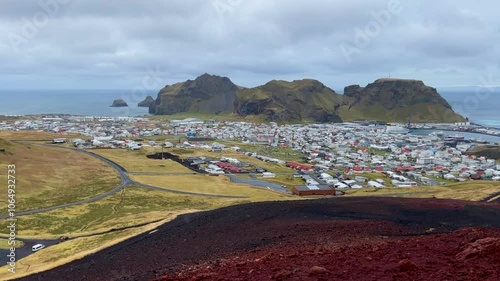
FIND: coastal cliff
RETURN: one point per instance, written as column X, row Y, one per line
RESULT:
column 397, row 100
column 307, row 100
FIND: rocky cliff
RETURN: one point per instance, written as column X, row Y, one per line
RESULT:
column 396, row 100
column 205, row 94
column 390, row 100
column 146, row 102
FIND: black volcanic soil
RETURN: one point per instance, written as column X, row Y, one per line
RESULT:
column 327, row 239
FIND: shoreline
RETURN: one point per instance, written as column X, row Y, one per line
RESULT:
column 450, row 130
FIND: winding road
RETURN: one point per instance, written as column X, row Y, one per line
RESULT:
column 125, row 181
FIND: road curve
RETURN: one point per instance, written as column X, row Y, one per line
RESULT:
column 125, row 181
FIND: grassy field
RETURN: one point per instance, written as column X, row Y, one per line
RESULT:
column 283, row 153
column 472, row 191
column 130, row 208
column 281, row 179
column 136, row 161
column 207, row 116
column 4, row 244
column 216, row 185
column 71, row 250
column 36, row 135
column 50, row 176
column 489, row 151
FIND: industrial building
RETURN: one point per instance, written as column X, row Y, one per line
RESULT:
column 305, row 190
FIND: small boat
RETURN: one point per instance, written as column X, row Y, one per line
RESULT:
column 456, row 137
column 397, row 130
column 480, row 140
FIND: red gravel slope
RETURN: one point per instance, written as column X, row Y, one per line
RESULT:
column 327, row 239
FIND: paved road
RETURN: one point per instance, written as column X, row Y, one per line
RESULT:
column 187, row 193
column 259, row 183
column 163, row 173
column 25, row 250
column 125, row 181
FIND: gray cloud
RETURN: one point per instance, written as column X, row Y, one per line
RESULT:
column 109, row 44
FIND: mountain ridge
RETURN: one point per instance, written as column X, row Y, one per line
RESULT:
column 386, row 99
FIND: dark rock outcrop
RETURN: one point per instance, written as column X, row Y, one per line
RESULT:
column 119, row 103
column 147, row 102
column 206, row 94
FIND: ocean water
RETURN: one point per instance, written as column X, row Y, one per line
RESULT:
column 482, row 108
column 76, row 102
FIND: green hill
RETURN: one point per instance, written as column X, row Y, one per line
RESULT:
column 396, row 100
column 295, row 101
column 307, row 100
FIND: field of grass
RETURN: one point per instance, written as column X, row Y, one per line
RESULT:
column 208, row 116
column 4, row 244
column 283, row 153
column 71, row 250
column 136, row 161
column 472, row 191
column 49, row 176
column 489, row 151
column 130, row 207
column 35, row 135
column 91, row 224
column 216, row 185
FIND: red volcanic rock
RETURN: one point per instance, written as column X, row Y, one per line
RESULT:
column 407, row 265
column 421, row 257
column 328, row 239
column 482, row 248
column 282, row 275
column 317, row 270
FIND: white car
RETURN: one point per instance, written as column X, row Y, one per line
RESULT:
column 37, row 247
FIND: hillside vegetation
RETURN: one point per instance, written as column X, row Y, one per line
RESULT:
column 306, row 100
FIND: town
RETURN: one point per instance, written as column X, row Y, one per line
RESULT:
column 329, row 158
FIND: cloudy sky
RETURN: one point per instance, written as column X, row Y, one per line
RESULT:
column 119, row 44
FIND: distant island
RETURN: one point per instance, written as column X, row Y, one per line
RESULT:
column 147, row 102
column 119, row 103
column 307, row 100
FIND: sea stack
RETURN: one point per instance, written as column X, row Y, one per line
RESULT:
column 119, row 103
column 147, row 102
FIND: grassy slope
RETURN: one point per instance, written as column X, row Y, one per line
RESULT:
column 42, row 176
column 136, row 161
column 472, row 191
column 68, row 251
column 492, row 152
column 131, row 207
column 35, row 135
column 4, row 244
column 219, row 185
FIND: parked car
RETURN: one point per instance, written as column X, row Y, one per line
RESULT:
column 37, row 247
